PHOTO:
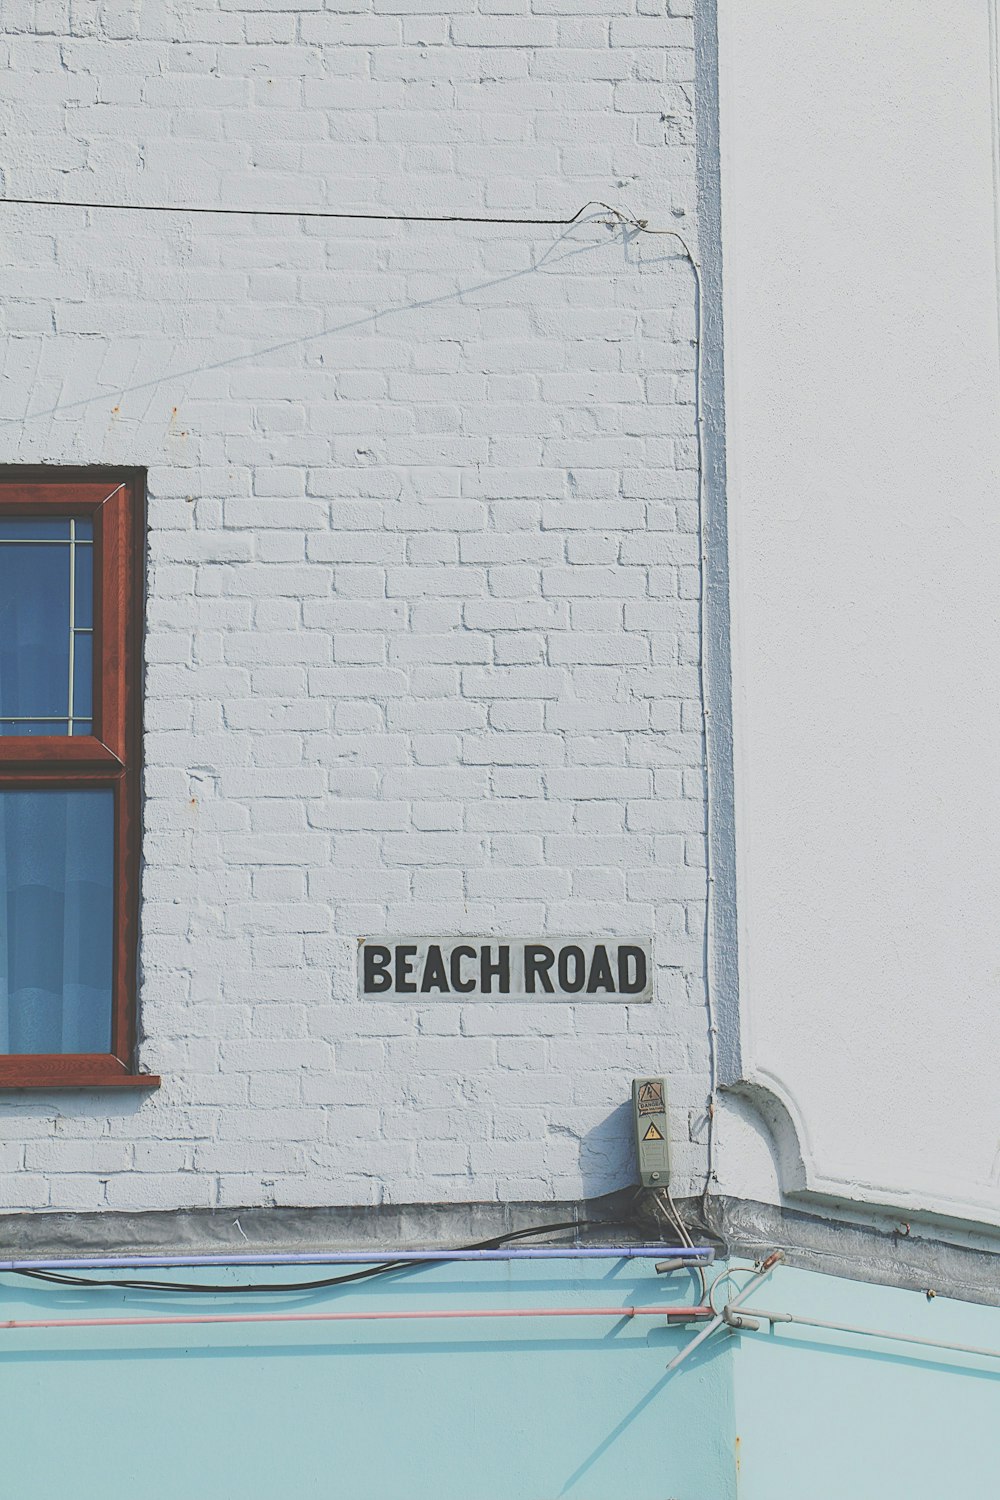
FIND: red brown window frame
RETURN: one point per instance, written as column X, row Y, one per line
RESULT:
column 109, row 757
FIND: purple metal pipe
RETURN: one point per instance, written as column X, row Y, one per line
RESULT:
column 699, row 1254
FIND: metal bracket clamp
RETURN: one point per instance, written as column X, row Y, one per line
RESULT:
column 767, row 1266
column 740, row 1320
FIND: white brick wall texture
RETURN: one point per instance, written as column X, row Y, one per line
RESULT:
column 423, row 566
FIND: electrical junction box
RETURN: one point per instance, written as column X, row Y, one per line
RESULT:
column 652, row 1135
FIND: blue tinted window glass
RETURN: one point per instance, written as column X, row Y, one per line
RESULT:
column 38, row 726
column 56, row 920
column 34, row 631
column 83, row 676
column 83, row 592
column 84, row 531
column 34, row 528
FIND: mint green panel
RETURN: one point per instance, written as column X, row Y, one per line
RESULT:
column 829, row 1416
column 507, row 1410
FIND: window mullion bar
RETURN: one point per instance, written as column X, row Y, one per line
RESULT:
column 72, row 622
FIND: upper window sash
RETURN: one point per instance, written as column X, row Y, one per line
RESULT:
column 106, row 503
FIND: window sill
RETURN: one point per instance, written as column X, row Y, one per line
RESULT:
column 58, row 1070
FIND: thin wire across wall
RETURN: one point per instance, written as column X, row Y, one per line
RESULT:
column 320, row 213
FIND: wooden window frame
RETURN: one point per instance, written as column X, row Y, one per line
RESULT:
column 109, row 757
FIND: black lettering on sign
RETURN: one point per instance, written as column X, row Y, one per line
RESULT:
column 488, row 967
column 404, row 968
column 631, row 969
column 572, row 982
column 538, row 960
column 463, row 986
column 600, row 977
column 435, row 977
column 498, row 968
column 377, row 975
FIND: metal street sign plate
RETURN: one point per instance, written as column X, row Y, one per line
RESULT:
column 415, row 969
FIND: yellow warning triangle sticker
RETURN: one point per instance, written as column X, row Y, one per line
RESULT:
column 652, row 1134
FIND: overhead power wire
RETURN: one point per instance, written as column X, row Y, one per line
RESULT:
column 621, row 216
column 317, row 213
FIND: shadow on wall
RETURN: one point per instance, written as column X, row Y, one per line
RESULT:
column 607, row 1154
column 117, row 1104
column 548, row 259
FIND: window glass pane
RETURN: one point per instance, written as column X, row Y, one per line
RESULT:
column 56, row 920
column 34, row 528
column 43, row 579
column 83, row 676
column 85, row 531
column 34, row 631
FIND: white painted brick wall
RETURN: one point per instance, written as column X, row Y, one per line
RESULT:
column 423, row 570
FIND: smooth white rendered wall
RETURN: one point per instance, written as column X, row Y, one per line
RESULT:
column 860, row 251
column 423, row 572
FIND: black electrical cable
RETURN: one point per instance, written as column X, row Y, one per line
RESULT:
column 620, row 217
column 63, row 1278
column 299, row 213
column 59, row 1278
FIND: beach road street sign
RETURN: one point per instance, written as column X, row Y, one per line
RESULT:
column 494, row 968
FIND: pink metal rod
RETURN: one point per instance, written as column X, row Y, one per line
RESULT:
column 348, row 1317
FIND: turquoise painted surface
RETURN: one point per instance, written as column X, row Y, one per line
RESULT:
column 503, row 1410
column 828, row 1416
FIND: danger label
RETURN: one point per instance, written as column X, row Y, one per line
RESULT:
column 650, row 1098
column 652, row 1134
